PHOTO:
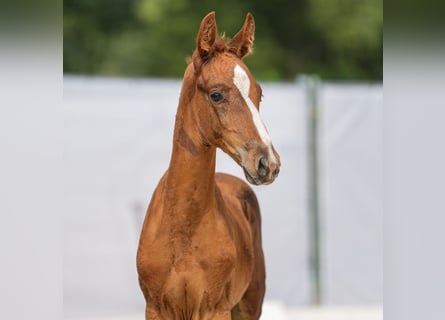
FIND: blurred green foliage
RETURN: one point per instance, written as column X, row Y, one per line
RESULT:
column 337, row 39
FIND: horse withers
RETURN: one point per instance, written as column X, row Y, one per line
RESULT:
column 200, row 254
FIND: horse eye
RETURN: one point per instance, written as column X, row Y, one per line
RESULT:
column 216, row 96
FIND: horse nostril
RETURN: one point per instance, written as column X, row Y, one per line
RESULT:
column 263, row 167
column 276, row 172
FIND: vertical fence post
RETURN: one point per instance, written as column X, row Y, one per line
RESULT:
column 311, row 84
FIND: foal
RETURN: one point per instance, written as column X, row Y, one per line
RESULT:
column 200, row 254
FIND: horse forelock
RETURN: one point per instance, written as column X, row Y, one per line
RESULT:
column 221, row 45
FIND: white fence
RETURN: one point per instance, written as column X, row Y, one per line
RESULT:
column 118, row 137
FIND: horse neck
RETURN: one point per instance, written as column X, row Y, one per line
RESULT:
column 190, row 181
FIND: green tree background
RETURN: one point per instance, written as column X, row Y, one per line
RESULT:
column 336, row 39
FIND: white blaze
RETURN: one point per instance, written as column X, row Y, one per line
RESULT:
column 242, row 82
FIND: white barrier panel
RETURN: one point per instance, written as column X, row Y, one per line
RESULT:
column 350, row 147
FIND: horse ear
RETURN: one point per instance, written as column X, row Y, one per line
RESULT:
column 242, row 42
column 206, row 35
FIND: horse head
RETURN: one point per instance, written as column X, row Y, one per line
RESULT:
column 225, row 98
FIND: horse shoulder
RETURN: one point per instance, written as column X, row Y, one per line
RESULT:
column 238, row 193
column 242, row 214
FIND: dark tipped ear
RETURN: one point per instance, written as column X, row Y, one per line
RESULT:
column 206, row 35
column 242, row 42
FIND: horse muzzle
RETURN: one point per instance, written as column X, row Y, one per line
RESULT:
column 265, row 171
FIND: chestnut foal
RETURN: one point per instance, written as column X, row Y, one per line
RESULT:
column 200, row 254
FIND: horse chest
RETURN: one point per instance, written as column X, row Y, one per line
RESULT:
column 207, row 269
